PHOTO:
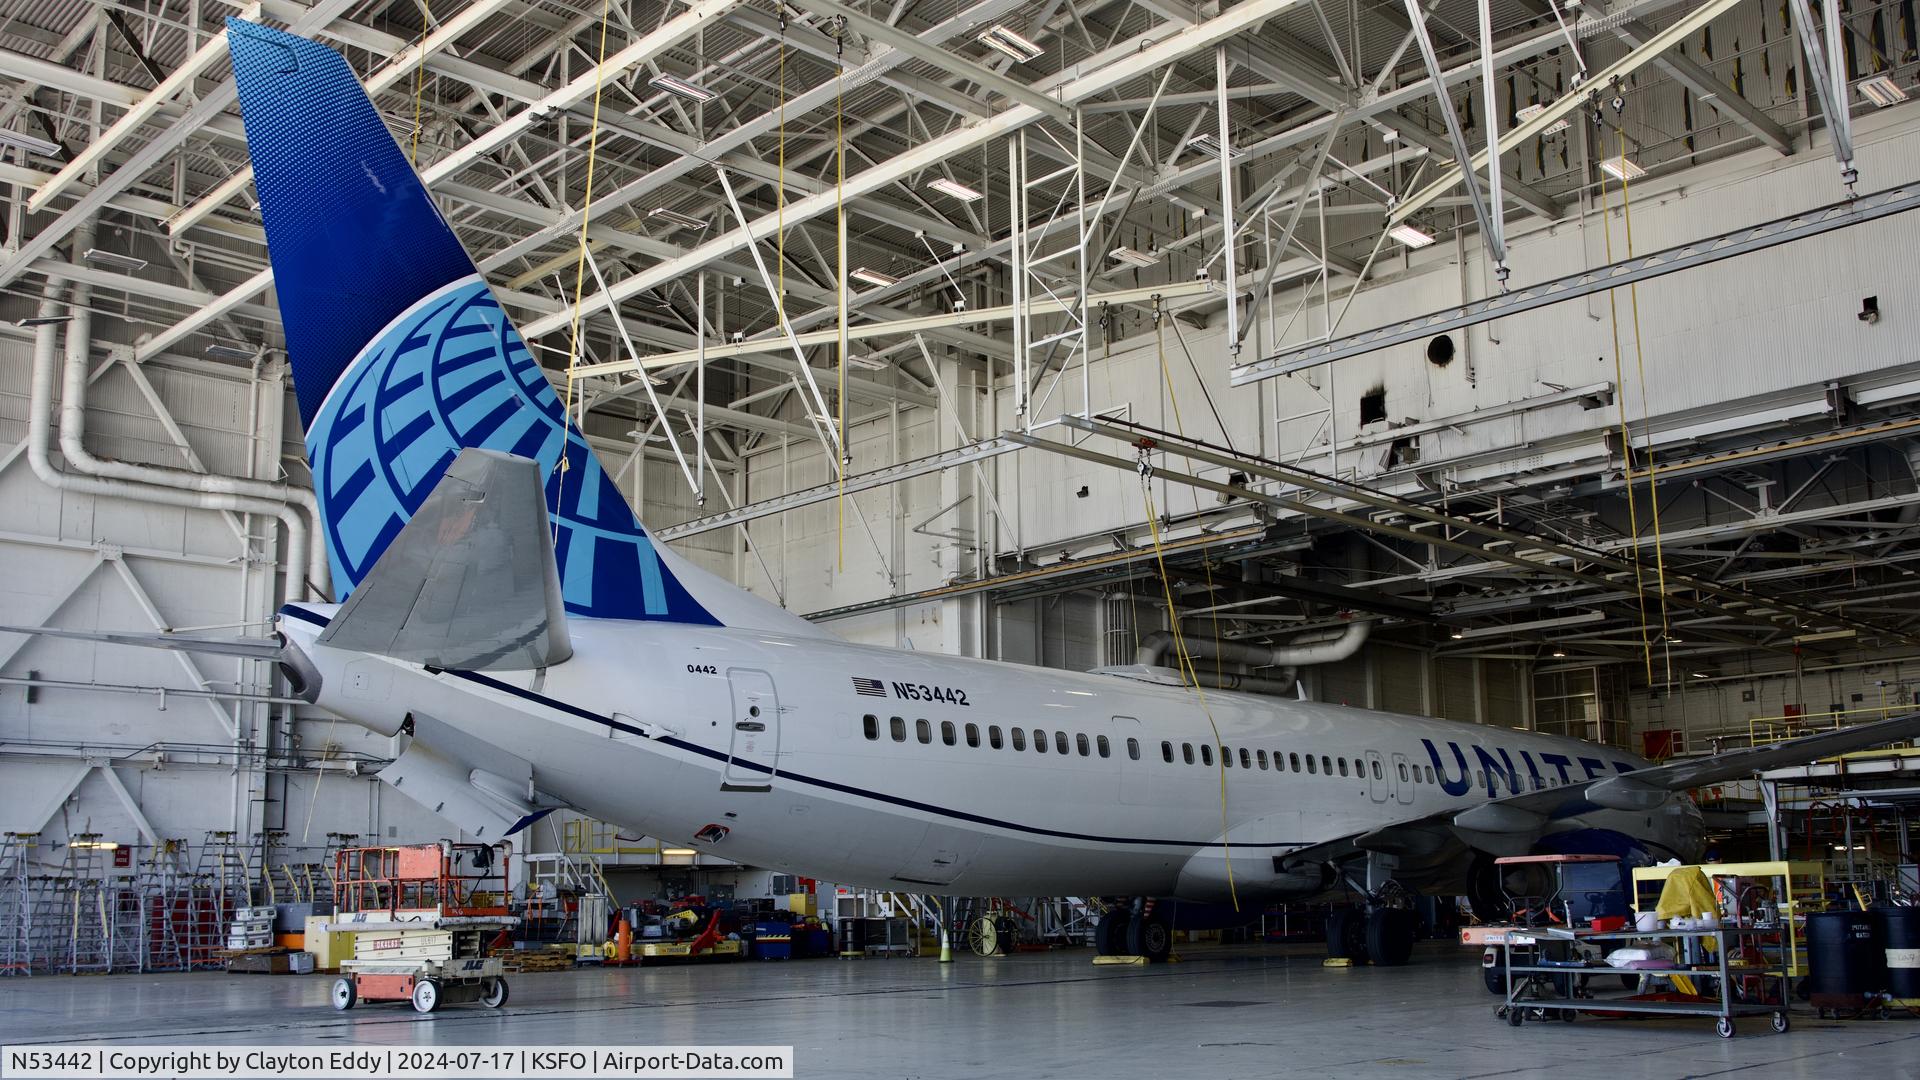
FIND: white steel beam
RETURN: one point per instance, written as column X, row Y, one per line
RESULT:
column 1110, row 69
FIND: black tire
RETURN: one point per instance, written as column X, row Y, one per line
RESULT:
column 1494, row 975
column 1723, row 1027
column 345, row 993
column 1110, row 933
column 1514, row 1016
column 1151, row 936
column 1390, row 936
column 1347, row 935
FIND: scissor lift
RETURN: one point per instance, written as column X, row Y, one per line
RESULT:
column 421, row 917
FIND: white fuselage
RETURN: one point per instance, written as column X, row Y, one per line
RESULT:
column 668, row 729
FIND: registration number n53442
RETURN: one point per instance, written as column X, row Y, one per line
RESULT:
column 923, row 692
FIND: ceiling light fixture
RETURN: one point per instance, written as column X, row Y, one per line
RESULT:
column 1559, row 654
column 953, row 189
column 679, row 852
column 679, row 87
column 113, row 259
column 1456, row 635
column 1132, row 257
column 1622, row 168
column 44, row 320
column 32, row 144
column 1410, row 236
column 1881, row 90
column 233, row 352
column 1022, row 50
column 1698, row 674
column 675, row 217
column 873, row 277
column 1528, row 112
column 870, row 363
column 1210, row 146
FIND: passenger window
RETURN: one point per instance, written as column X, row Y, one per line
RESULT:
column 946, row 732
column 973, row 736
column 1060, row 742
column 1293, row 762
column 1430, row 778
column 1206, row 754
column 1480, row 778
column 1081, row 740
column 1376, row 770
column 1261, row 757
column 1326, row 765
column 1133, row 749
column 1019, row 738
column 993, row 736
column 1166, row 751
column 898, row 728
column 1100, row 744
column 1186, row 751
column 923, row 731
column 1403, row 772
column 870, row 726
column 1039, row 741
column 1246, row 759
column 1343, row 766
column 1310, row 768
column 1226, row 757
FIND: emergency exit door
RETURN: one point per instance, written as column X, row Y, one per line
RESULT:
column 754, row 751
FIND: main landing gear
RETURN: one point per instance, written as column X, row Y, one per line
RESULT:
column 1135, row 928
column 1381, row 930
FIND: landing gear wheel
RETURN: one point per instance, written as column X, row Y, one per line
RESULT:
column 1110, row 933
column 1723, row 1027
column 345, row 994
column 1150, row 936
column 426, row 996
column 1390, row 936
column 1781, row 1023
column 1347, row 935
column 493, row 992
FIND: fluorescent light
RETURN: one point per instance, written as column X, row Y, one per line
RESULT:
column 1133, row 258
column 113, row 259
column 687, row 221
column 1559, row 654
column 97, row 845
column 1022, row 50
column 1528, row 112
column 1456, row 635
column 1622, row 168
column 32, row 144
column 674, row 84
column 871, row 363
column 678, row 851
column 1210, row 146
column 873, row 277
column 953, row 189
column 1698, row 674
column 1410, row 236
column 44, row 320
column 233, row 352
column 1881, row 90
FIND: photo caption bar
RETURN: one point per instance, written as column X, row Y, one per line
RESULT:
column 69, row 1061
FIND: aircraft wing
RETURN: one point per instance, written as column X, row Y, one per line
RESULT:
column 243, row 647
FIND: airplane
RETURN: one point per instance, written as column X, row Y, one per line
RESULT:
column 508, row 620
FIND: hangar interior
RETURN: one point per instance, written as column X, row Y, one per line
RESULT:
column 1073, row 333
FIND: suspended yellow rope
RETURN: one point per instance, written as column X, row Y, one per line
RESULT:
column 1185, row 660
column 1646, row 416
column 840, row 213
column 1626, row 434
column 1166, row 376
column 420, row 81
column 580, row 264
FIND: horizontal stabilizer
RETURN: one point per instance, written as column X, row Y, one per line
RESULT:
column 242, row 647
column 470, row 582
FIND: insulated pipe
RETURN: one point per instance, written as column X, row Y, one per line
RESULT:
column 90, row 478
column 1156, row 647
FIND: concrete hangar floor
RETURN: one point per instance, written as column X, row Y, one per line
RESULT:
column 1223, row 1012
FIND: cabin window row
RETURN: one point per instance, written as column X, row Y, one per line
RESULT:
column 1020, row 739
column 1309, row 764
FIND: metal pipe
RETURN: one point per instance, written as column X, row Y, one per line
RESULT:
column 1155, row 648
column 94, row 476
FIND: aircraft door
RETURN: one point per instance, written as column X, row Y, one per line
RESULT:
column 754, row 751
column 1398, row 777
column 1130, row 749
column 1377, row 782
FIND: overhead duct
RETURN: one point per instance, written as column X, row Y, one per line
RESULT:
column 1159, row 648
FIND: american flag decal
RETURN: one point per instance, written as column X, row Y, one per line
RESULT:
column 868, row 687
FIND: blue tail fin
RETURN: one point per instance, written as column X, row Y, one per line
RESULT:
column 401, row 356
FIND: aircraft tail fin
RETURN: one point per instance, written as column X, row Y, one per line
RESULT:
column 401, row 356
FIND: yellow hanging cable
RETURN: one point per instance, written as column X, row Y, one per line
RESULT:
column 1626, row 435
column 1646, row 417
column 1185, row 660
column 580, row 265
column 840, row 214
column 420, row 81
column 1166, row 376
